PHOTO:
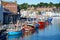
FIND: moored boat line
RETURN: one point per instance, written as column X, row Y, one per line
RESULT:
column 27, row 26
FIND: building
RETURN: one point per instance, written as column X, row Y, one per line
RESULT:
column 11, row 6
column 9, row 12
column 57, row 10
column 1, row 13
column 41, row 8
column 44, row 9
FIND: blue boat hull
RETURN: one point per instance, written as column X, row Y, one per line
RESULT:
column 49, row 19
column 14, row 32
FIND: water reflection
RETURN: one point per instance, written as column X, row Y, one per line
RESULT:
column 50, row 32
column 13, row 37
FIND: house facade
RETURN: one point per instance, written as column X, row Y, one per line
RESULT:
column 44, row 9
column 9, row 12
column 10, row 6
column 1, row 13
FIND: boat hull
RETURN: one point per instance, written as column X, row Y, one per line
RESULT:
column 49, row 19
column 42, row 25
column 14, row 32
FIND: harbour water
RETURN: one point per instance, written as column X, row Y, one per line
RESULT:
column 50, row 32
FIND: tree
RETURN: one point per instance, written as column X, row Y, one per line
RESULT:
column 24, row 6
column 50, row 4
column 41, row 4
column 33, row 5
column 45, row 4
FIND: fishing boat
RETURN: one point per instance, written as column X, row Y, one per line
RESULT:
column 49, row 16
column 41, row 25
column 49, row 19
column 28, row 25
column 27, row 28
column 14, row 31
column 41, row 22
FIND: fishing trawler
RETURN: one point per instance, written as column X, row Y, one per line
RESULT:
column 50, row 16
column 13, row 30
column 41, row 22
column 27, row 27
column 49, row 19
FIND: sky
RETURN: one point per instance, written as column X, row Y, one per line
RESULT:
column 35, row 1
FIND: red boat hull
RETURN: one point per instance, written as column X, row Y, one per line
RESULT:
column 42, row 25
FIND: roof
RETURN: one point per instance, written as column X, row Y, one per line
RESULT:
column 4, row 3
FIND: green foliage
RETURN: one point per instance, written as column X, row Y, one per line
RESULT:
column 57, row 5
column 41, row 4
column 33, row 5
column 24, row 6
